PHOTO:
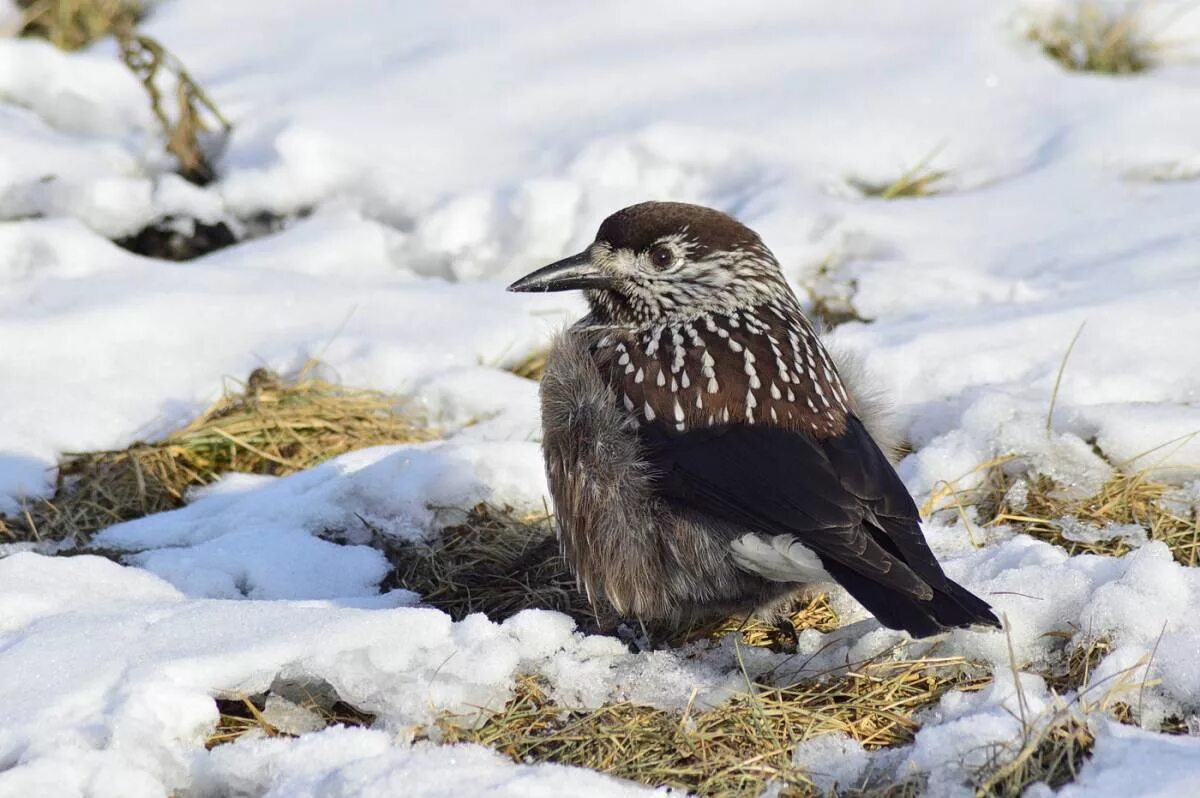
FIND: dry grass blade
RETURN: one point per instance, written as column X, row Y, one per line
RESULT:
column 73, row 24
column 989, row 491
column 737, row 748
column 269, row 426
column 1062, row 367
column 1095, row 39
column 194, row 113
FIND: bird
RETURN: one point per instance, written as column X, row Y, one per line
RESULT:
column 705, row 454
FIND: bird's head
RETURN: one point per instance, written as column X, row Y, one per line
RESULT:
column 664, row 261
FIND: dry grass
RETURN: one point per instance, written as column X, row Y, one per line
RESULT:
column 1074, row 672
column 1095, row 39
column 266, row 426
column 73, row 24
column 190, row 120
column 921, row 180
column 193, row 114
column 831, row 294
column 1051, row 755
column 738, row 748
column 1008, row 493
column 1124, row 499
column 245, row 715
column 1055, row 745
column 493, row 562
column 909, row 787
column 816, row 613
column 532, row 366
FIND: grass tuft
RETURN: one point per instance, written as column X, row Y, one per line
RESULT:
column 738, row 748
column 1047, row 512
column 1096, row 39
column 831, row 293
column 532, row 366
column 492, row 562
column 1074, row 671
column 74, row 24
column 244, row 715
column 1098, row 524
column 269, row 425
column 1051, row 755
column 912, row 786
column 921, row 180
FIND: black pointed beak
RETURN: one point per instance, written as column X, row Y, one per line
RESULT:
column 568, row 274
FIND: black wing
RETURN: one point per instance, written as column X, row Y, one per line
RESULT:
column 839, row 497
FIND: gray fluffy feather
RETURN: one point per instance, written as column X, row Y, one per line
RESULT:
column 647, row 560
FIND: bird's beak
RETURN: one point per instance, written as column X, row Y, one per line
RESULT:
column 568, row 274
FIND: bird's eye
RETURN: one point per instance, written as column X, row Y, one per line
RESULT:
column 661, row 256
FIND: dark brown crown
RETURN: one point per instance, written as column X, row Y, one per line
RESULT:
column 637, row 228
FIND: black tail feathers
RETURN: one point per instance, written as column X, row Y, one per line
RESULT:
column 952, row 605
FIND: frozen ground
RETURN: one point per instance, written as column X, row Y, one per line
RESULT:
column 439, row 151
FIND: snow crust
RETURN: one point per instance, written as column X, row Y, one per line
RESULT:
column 423, row 156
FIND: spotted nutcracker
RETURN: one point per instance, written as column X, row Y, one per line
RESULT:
column 704, row 453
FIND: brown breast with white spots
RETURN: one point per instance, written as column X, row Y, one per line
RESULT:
column 763, row 365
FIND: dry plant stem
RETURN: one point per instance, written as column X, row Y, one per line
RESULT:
column 1062, row 366
column 147, row 59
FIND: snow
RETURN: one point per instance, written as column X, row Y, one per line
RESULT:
column 259, row 537
column 420, row 158
column 1129, row 761
column 356, row 762
column 831, row 759
column 126, row 667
